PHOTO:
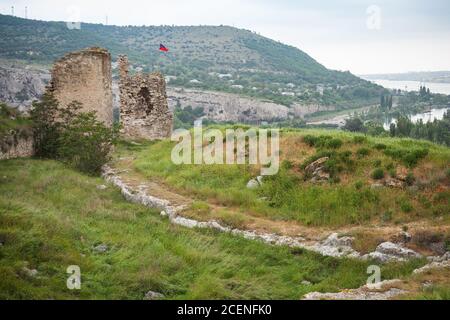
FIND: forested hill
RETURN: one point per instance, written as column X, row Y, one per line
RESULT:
column 210, row 57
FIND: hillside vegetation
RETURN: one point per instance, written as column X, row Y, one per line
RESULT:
column 373, row 183
column 218, row 57
column 52, row 217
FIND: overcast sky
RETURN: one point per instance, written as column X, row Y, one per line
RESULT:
column 375, row 36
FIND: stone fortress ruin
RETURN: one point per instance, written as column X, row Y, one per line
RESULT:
column 86, row 77
column 144, row 111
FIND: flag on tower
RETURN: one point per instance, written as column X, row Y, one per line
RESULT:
column 163, row 48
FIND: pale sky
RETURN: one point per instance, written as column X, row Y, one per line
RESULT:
column 363, row 36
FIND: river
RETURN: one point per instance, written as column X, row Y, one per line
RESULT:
column 430, row 116
column 443, row 88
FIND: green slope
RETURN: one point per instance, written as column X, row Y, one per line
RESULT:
column 263, row 67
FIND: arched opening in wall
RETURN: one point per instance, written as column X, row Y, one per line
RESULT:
column 144, row 95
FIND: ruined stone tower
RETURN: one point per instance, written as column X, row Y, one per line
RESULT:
column 85, row 76
column 144, row 111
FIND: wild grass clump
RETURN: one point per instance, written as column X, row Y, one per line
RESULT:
column 409, row 157
column 378, row 174
column 363, row 152
column 323, row 142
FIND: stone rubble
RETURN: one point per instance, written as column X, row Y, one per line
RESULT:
column 151, row 295
column 435, row 263
column 364, row 293
column 388, row 251
column 317, row 170
column 102, row 248
column 255, row 183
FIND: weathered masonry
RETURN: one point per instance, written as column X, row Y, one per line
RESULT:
column 144, row 111
column 85, row 76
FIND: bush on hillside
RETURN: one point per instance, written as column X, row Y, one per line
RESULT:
column 378, row 174
column 72, row 136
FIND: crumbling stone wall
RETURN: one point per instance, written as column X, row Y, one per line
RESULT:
column 85, row 76
column 144, row 111
column 23, row 147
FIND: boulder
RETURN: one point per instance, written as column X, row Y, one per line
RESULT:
column 151, row 295
column 316, row 165
column 255, row 183
column 388, row 251
column 394, row 183
column 102, row 248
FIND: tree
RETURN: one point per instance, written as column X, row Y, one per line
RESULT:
column 354, row 125
column 46, row 128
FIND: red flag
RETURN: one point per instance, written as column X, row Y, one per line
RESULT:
column 163, row 48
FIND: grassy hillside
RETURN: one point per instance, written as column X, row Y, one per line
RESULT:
column 52, row 217
column 257, row 66
column 351, row 197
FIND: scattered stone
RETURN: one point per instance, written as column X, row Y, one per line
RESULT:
column 427, row 285
column 255, row 183
column 433, row 265
column 334, row 246
column 394, row 183
column 364, row 293
column 376, row 186
column 317, row 170
column 388, row 251
column 316, row 165
column 164, row 214
column 151, row 295
column 102, row 248
column 402, row 237
column 102, row 187
column 306, row 283
column 32, row 273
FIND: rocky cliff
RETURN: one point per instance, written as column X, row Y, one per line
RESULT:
column 20, row 85
column 217, row 106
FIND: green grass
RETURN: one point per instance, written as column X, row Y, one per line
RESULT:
column 350, row 200
column 51, row 217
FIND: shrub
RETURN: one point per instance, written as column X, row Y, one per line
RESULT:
column 380, row 146
column 359, row 139
column 354, row 125
column 406, row 207
column 334, row 144
column 74, row 137
column 310, row 140
column 46, row 127
column 377, row 163
column 86, row 143
column 363, row 152
column 387, row 216
column 359, row 185
column 410, row 179
column 409, row 157
column 378, row 174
